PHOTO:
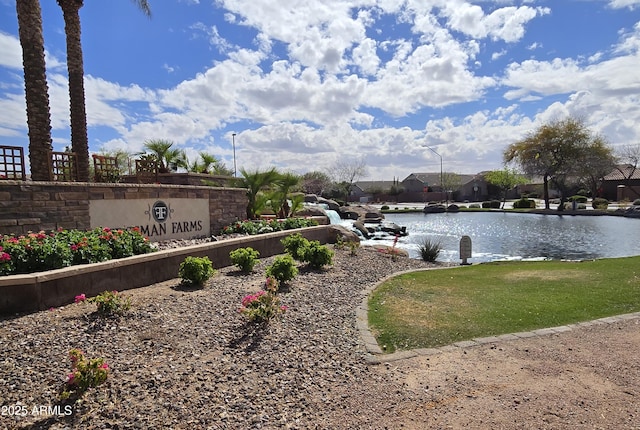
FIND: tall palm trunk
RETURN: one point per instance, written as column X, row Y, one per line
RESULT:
column 75, row 69
column 35, row 86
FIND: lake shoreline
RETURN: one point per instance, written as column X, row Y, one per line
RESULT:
column 499, row 235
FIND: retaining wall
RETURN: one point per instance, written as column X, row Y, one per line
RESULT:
column 41, row 291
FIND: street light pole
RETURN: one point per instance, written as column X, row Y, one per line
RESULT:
column 441, row 175
column 233, row 138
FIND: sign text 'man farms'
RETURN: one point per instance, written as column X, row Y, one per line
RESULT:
column 159, row 219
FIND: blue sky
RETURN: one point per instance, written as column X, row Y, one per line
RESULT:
column 307, row 83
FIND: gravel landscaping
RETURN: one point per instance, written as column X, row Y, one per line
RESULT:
column 186, row 359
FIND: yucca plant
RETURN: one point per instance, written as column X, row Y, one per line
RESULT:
column 430, row 250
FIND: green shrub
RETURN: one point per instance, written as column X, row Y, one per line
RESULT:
column 600, row 203
column 195, row 271
column 474, row 206
column 384, row 208
column 578, row 199
column 261, row 226
column 636, row 202
column 111, row 303
column 283, row 269
column 317, row 255
column 295, row 245
column 579, row 206
column 524, row 203
column 292, row 223
column 493, row 204
column 430, row 250
column 244, row 258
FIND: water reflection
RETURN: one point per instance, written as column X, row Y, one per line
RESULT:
column 500, row 236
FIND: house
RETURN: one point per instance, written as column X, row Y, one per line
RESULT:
column 367, row 191
column 473, row 188
column 427, row 187
column 623, row 183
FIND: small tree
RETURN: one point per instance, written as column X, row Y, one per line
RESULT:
column 505, row 180
column 346, row 173
column 451, row 182
column 315, row 183
column 395, row 190
column 556, row 151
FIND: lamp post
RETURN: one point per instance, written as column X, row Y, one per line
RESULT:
column 441, row 175
column 233, row 139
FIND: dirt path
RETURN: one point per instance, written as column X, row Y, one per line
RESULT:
column 585, row 378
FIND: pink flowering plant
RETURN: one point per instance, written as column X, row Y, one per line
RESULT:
column 109, row 303
column 264, row 305
column 85, row 373
column 5, row 262
column 393, row 251
column 36, row 252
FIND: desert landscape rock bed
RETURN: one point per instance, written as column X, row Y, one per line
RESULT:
column 186, row 359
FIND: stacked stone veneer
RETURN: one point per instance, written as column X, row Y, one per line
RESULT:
column 35, row 206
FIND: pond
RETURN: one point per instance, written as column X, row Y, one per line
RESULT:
column 515, row 236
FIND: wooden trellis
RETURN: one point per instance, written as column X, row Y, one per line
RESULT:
column 64, row 167
column 12, row 163
column 105, row 169
column 146, row 170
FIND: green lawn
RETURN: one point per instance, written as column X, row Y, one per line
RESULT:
column 439, row 307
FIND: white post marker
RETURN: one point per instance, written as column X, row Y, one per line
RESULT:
column 465, row 249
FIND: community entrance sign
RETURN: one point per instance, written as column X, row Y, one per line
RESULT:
column 160, row 219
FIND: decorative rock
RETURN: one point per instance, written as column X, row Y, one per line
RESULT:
column 331, row 204
column 343, row 233
column 361, row 213
column 358, row 225
column 393, row 228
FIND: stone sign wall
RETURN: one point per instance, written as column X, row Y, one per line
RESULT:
column 161, row 211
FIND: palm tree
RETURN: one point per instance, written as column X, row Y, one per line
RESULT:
column 255, row 182
column 36, row 88
column 168, row 158
column 75, row 70
column 203, row 164
column 285, row 182
column 208, row 164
